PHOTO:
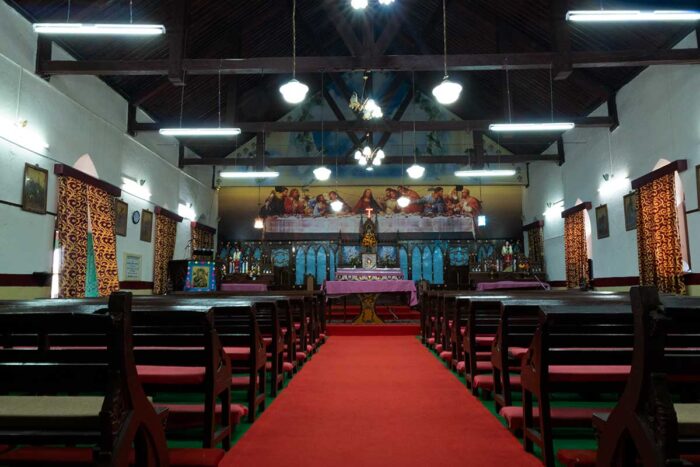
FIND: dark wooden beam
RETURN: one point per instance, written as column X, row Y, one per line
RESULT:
column 169, row 214
column 150, row 93
column 44, row 46
column 612, row 111
column 460, row 62
column 533, row 225
column 377, row 126
column 479, row 157
column 180, row 155
column 561, row 40
column 342, row 25
column 561, row 151
column 177, row 40
column 398, row 115
column 339, row 115
column 389, row 160
column 131, row 119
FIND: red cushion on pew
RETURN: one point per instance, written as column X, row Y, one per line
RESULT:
column 561, row 416
column 185, row 416
column 446, row 356
column 267, row 341
column 297, row 326
column 287, row 367
column 485, row 382
column 179, row 457
column 309, row 348
column 461, row 366
column 589, row 373
column 438, row 348
column 238, row 354
column 485, row 340
column 301, row 356
column 463, row 330
column 577, row 457
column 431, row 340
column 482, row 365
column 517, row 352
column 322, row 336
column 152, row 374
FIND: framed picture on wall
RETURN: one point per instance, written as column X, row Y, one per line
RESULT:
column 34, row 189
column 121, row 216
column 601, row 220
column 630, row 204
column 146, row 225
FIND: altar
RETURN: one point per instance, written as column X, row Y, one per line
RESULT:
column 368, row 285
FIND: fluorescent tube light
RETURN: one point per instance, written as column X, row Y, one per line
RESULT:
column 551, row 126
column 200, row 131
column 606, row 16
column 100, row 29
column 485, row 173
column 249, row 174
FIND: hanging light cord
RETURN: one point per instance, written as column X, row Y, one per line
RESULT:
column 551, row 93
column 68, row 13
column 413, row 94
column 182, row 98
column 323, row 114
column 294, row 39
column 219, row 96
column 444, row 35
column 131, row 11
column 510, row 110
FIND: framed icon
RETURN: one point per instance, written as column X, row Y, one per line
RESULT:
column 34, row 189
column 369, row 261
column 630, row 203
column 121, row 215
column 201, row 276
column 601, row 220
column 146, row 225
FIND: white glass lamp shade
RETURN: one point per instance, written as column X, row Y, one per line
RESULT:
column 403, row 201
column 322, row 173
column 415, row 171
column 366, row 151
column 337, row 205
column 377, row 161
column 294, row 91
column 380, row 154
column 447, row 92
column 359, row 4
column 259, row 224
column 363, row 161
column 358, row 155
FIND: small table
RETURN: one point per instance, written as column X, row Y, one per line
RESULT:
column 368, row 291
column 247, row 287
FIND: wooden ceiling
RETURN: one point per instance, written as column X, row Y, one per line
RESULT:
column 225, row 29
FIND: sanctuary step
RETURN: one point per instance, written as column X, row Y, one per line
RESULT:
column 385, row 312
column 373, row 329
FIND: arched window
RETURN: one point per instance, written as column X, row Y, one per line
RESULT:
column 321, row 265
column 416, row 272
column 300, row 267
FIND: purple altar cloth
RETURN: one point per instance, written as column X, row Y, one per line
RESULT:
column 336, row 288
column 244, row 287
column 483, row 286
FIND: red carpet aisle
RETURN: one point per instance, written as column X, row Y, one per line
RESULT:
column 376, row 401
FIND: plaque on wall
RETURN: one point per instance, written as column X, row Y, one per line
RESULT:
column 132, row 267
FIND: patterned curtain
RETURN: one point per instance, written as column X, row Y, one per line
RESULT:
column 166, row 230
column 202, row 239
column 104, row 239
column 535, row 242
column 72, row 234
column 658, row 240
column 575, row 250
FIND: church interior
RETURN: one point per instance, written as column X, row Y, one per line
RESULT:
column 349, row 232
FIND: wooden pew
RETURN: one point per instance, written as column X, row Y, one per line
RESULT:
column 575, row 349
column 116, row 418
column 653, row 424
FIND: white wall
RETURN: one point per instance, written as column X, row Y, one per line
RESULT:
column 659, row 118
column 76, row 116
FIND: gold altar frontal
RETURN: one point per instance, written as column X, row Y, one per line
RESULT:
column 368, row 310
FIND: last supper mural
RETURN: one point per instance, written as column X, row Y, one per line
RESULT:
column 429, row 211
